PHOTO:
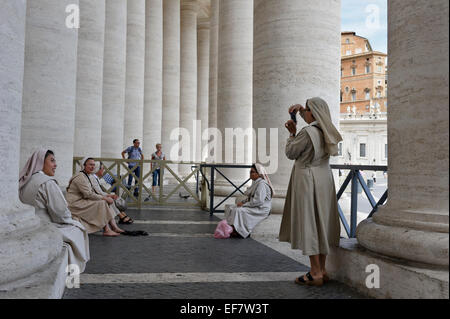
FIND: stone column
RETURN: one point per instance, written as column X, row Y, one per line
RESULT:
column 26, row 245
column 413, row 225
column 296, row 57
column 203, row 81
column 235, row 73
column 134, row 88
column 213, row 63
column 114, row 63
column 88, row 113
column 153, row 76
column 49, row 85
column 171, row 73
column 188, row 79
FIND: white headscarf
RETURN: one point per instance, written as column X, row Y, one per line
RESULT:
column 263, row 173
column 34, row 164
column 321, row 112
column 83, row 162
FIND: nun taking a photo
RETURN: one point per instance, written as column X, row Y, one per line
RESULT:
column 310, row 218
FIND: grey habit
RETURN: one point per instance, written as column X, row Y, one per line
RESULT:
column 43, row 192
column 256, row 208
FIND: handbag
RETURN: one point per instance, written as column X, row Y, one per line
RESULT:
column 223, row 230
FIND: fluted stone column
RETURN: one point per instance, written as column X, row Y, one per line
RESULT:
column 49, row 88
column 26, row 245
column 296, row 57
column 202, row 80
column 134, row 92
column 88, row 113
column 171, row 73
column 114, row 63
column 413, row 225
column 188, row 79
column 153, row 76
column 213, row 63
column 235, row 73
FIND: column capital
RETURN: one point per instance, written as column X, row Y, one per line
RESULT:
column 190, row 5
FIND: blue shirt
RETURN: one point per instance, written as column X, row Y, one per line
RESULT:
column 133, row 153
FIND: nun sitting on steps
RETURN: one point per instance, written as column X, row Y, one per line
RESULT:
column 254, row 207
column 39, row 188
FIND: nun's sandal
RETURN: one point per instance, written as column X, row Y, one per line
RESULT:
column 310, row 282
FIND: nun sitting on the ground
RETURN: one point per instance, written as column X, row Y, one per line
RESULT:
column 39, row 188
column 254, row 207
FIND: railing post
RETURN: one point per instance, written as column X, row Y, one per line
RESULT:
column 211, row 195
column 141, row 180
column 162, row 165
column 354, row 204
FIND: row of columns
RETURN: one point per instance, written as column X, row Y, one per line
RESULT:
column 265, row 55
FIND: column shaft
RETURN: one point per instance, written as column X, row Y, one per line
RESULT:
column 114, row 67
column 153, row 76
column 188, row 79
column 49, row 88
column 203, row 81
column 26, row 245
column 134, row 92
column 88, row 113
column 413, row 224
column 171, row 73
column 213, row 63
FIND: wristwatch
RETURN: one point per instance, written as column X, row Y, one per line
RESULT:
column 292, row 135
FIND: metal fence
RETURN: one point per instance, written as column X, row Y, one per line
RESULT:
column 140, row 194
column 200, row 183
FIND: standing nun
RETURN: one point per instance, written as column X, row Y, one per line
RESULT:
column 254, row 207
column 310, row 218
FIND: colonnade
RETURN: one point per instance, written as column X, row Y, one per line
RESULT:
column 143, row 69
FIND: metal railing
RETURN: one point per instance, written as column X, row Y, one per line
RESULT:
column 211, row 184
column 354, row 176
column 119, row 170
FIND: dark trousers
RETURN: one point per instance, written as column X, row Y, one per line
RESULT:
column 137, row 172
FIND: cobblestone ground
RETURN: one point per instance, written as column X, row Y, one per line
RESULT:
column 181, row 259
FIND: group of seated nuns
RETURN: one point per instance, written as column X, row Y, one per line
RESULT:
column 85, row 209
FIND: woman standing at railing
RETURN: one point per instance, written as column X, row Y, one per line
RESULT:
column 311, row 218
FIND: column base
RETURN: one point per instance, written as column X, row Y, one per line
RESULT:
column 405, row 243
column 46, row 284
column 399, row 279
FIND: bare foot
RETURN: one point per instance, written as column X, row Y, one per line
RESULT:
column 110, row 233
column 118, row 230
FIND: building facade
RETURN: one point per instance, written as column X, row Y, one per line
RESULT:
column 363, row 76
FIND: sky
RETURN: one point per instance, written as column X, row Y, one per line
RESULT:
column 368, row 18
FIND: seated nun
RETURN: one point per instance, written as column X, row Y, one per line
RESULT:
column 101, row 186
column 94, row 210
column 39, row 188
column 254, row 207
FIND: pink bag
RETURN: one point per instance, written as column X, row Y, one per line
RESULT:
column 223, row 230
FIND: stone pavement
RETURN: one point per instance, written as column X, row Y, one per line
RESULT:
column 181, row 259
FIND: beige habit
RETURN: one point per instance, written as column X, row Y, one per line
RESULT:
column 86, row 205
column 310, row 219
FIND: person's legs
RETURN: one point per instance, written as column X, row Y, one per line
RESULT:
column 137, row 172
column 130, row 177
column 108, row 232
column 114, row 226
column 316, row 270
column 323, row 259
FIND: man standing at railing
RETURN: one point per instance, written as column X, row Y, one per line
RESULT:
column 134, row 152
